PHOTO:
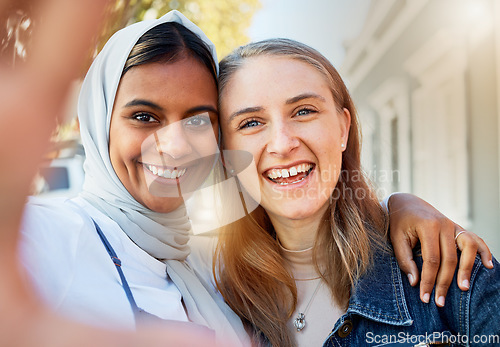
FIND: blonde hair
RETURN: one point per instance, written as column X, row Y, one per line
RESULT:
column 250, row 272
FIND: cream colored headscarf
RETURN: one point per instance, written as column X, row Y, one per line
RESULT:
column 163, row 235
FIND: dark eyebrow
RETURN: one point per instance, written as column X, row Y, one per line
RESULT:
column 196, row 109
column 142, row 102
column 243, row 111
column 304, row 96
column 202, row 108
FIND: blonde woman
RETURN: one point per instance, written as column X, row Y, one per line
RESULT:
column 311, row 265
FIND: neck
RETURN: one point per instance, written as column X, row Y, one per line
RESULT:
column 297, row 235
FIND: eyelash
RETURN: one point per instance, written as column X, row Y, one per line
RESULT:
column 308, row 110
column 144, row 114
column 246, row 124
column 203, row 118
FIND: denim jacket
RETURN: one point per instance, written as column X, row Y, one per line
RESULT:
column 385, row 310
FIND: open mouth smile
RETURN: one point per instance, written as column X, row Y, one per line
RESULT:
column 291, row 175
column 164, row 172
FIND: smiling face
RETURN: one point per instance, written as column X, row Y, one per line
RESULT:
column 282, row 111
column 163, row 132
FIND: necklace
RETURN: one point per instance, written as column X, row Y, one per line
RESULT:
column 300, row 322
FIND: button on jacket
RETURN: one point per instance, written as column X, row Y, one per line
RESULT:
column 385, row 310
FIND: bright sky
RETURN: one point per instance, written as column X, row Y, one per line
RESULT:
column 322, row 24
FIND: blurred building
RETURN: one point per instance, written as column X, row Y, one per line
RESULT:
column 425, row 76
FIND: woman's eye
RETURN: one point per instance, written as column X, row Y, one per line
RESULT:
column 304, row 112
column 197, row 122
column 250, row 124
column 144, row 117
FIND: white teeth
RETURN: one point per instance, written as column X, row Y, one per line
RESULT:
column 290, row 172
column 287, row 183
column 166, row 173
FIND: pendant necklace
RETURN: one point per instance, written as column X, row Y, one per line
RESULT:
column 300, row 322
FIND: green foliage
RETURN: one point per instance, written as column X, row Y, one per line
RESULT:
column 224, row 21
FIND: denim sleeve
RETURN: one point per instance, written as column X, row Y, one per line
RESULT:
column 483, row 317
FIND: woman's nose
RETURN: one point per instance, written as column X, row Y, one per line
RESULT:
column 282, row 139
column 172, row 140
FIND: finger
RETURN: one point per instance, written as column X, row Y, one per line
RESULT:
column 484, row 252
column 468, row 246
column 481, row 246
column 404, row 255
column 448, row 263
column 82, row 21
column 431, row 256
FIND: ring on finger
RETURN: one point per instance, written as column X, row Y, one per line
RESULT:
column 458, row 234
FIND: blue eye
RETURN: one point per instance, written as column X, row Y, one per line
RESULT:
column 197, row 122
column 250, row 124
column 304, row 112
column 144, row 117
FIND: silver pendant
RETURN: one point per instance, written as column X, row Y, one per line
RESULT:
column 300, row 322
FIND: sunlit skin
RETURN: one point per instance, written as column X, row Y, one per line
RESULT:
column 162, row 116
column 282, row 111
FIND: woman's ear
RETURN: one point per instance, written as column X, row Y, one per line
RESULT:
column 345, row 125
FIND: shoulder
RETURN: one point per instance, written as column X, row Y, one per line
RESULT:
column 52, row 215
column 53, row 234
column 483, row 298
column 53, row 226
column 470, row 311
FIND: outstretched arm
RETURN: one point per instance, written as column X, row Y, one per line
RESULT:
column 31, row 96
column 411, row 219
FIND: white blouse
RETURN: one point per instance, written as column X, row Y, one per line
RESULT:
column 72, row 271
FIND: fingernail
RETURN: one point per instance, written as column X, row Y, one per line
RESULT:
column 411, row 278
column 426, row 297
column 490, row 263
column 440, row 301
column 465, row 284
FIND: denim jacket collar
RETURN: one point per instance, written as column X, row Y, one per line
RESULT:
column 379, row 293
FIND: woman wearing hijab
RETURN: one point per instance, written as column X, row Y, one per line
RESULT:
column 118, row 219
column 35, row 93
column 317, row 245
column 148, row 118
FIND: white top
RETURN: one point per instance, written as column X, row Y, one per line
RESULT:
column 323, row 311
column 72, row 271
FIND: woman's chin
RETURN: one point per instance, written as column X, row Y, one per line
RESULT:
column 164, row 204
column 297, row 212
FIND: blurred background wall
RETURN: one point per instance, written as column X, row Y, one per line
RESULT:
column 425, row 76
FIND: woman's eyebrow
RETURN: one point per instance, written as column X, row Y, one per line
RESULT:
column 243, row 111
column 202, row 108
column 142, row 102
column 304, row 96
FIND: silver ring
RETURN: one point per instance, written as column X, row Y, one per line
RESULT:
column 458, row 234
